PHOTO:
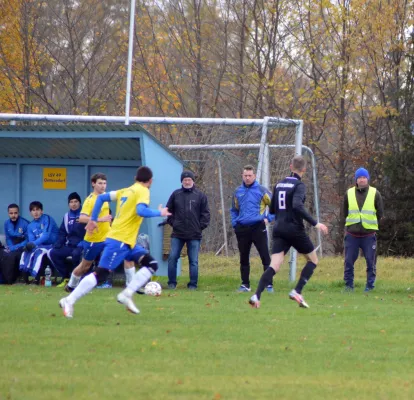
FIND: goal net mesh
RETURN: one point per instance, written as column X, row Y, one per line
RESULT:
column 218, row 171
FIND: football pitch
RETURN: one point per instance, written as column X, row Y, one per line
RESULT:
column 209, row 344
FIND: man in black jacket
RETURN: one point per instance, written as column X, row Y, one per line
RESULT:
column 190, row 215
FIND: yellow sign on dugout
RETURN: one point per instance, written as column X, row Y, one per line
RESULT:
column 54, row 178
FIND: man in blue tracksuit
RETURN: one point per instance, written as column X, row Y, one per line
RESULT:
column 249, row 217
column 42, row 234
column 363, row 209
column 71, row 233
column 15, row 229
column 43, row 230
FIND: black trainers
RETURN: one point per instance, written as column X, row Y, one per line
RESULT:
column 171, row 286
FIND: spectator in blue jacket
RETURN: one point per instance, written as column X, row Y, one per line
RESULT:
column 249, row 217
column 71, row 233
column 43, row 230
column 42, row 234
column 15, row 229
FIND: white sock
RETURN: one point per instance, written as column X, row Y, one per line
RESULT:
column 138, row 281
column 74, row 280
column 84, row 287
column 129, row 275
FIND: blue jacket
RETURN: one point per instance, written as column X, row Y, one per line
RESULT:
column 16, row 233
column 249, row 205
column 71, row 232
column 43, row 231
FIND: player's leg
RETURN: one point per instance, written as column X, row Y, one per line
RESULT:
column 244, row 243
column 148, row 267
column 129, row 269
column 267, row 278
column 175, row 252
column 90, row 252
column 369, row 247
column 279, row 248
column 260, row 241
column 113, row 254
column 302, row 243
column 193, row 248
column 352, row 244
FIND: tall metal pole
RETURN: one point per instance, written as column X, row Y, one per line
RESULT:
column 298, row 152
column 223, row 212
column 130, row 53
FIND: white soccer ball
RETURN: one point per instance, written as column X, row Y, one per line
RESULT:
column 153, row 289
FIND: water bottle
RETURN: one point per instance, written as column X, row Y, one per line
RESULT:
column 48, row 277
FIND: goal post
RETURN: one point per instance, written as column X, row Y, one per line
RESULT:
column 275, row 141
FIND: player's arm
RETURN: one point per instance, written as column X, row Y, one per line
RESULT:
column 44, row 237
column 9, row 240
column 298, row 207
column 85, row 218
column 21, row 245
column 274, row 205
column 92, row 224
column 102, row 198
column 62, row 235
column 234, row 210
column 266, row 201
column 144, row 211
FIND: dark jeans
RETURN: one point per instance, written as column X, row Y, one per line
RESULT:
column 193, row 248
column 58, row 258
column 246, row 236
column 368, row 244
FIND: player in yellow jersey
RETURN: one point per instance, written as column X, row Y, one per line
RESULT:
column 94, row 242
column 120, row 244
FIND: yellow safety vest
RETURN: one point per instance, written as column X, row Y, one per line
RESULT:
column 368, row 215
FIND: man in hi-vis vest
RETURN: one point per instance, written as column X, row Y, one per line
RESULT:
column 363, row 210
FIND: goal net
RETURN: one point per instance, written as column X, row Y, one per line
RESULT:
column 217, row 154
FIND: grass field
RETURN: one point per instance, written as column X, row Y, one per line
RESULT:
column 209, row 344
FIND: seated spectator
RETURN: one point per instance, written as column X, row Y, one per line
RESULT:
column 71, row 233
column 15, row 229
column 42, row 234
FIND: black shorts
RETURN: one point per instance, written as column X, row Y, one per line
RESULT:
column 283, row 241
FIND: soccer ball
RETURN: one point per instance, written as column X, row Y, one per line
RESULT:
column 153, row 289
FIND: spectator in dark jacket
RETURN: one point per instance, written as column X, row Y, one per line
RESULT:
column 71, row 233
column 190, row 215
column 15, row 229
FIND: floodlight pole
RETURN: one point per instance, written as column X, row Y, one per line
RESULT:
column 130, row 53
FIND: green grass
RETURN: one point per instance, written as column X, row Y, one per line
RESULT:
column 209, row 344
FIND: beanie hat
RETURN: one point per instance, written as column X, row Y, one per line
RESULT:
column 73, row 196
column 361, row 172
column 187, row 174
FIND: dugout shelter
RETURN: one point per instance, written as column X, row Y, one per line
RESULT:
column 47, row 162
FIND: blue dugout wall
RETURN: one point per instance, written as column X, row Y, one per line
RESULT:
column 32, row 156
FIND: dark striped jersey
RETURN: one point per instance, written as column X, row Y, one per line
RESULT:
column 288, row 199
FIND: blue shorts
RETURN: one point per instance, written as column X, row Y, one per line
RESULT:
column 115, row 252
column 92, row 250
